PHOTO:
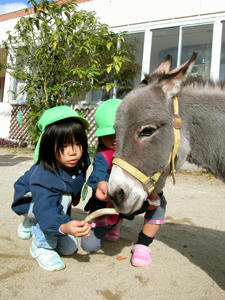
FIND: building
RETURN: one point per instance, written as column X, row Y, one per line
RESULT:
column 156, row 27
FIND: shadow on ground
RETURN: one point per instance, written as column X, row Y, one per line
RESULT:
column 12, row 160
column 203, row 247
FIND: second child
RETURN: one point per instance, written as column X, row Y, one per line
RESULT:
column 107, row 227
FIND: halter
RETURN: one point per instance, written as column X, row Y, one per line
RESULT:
column 149, row 182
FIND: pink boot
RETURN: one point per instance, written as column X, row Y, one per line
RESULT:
column 114, row 234
column 141, row 256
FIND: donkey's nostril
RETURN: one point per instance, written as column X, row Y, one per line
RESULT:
column 120, row 194
column 118, row 197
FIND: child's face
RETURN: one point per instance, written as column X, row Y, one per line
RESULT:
column 109, row 141
column 70, row 156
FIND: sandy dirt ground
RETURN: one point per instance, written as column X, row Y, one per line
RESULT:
column 188, row 253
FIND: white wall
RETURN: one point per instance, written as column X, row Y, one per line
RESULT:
column 5, row 115
column 123, row 12
column 5, row 107
column 6, row 26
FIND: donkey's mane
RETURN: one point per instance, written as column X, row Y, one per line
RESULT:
column 200, row 82
column 190, row 81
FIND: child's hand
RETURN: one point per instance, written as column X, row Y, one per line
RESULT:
column 154, row 201
column 102, row 191
column 76, row 228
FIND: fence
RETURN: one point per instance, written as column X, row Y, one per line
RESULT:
column 19, row 130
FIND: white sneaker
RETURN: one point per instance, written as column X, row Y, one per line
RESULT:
column 47, row 259
column 23, row 230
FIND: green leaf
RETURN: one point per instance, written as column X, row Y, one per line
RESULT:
column 54, row 45
column 109, row 45
column 109, row 68
column 117, row 67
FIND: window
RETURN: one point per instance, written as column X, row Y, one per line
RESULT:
column 164, row 41
column 16, row 96
column 2, row 81
column 17, row 85
column 193, row 38
column 136, row 41
column 198, row 39
column 222, row 58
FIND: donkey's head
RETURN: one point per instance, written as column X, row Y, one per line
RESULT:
column 145, row 136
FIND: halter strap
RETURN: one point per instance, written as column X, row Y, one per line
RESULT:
column 176, row 130
column 149, row 182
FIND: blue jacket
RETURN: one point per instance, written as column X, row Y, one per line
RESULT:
column 46, row 188
column 101, row 172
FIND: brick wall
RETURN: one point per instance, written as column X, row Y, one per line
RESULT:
column 26, row 12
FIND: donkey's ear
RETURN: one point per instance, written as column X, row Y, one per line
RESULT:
column 162, row 69
column 171, row 82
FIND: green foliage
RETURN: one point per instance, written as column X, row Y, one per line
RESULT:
column 92, row 151
column 61, row 52
column 3, row 57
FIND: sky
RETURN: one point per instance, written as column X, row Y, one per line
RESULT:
column 7, row 6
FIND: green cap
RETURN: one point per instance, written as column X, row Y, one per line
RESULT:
column 53, row 115
column 105, row 117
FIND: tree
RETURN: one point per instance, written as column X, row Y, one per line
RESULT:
column 60, row 52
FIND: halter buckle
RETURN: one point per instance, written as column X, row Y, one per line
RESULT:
column 149, row 186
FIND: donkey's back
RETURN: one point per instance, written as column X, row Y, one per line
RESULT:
column 202, row 112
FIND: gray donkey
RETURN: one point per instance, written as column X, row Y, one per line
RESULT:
column 159, row 125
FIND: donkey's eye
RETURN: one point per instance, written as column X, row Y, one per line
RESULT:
column 147, row 131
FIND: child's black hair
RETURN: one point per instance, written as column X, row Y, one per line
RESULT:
column 100, row 145
column 56, row 135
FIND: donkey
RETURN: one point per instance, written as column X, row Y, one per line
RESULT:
column 159, row 125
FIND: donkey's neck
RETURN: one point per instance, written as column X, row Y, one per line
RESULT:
column 203, row 118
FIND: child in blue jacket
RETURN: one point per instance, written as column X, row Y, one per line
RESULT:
column 44, row 194
column 107, row 227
